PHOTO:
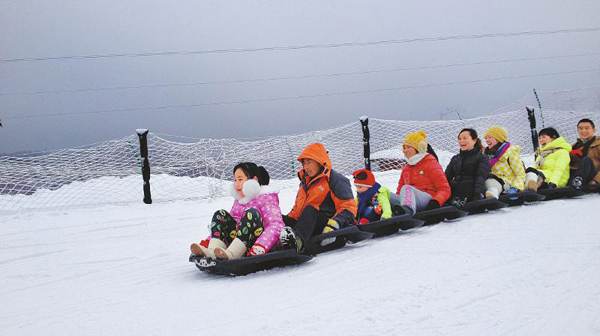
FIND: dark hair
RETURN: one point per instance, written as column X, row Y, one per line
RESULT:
column 432, row 152
column 251, row 170
column 549, row 131
column 473, row 134
column 586, row 120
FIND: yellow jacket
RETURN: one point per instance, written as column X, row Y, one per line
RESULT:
column 510, row 168
column 553, row 160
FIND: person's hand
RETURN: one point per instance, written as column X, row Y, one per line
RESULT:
column 257, row 249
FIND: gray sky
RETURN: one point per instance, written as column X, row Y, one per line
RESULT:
column 42, row 29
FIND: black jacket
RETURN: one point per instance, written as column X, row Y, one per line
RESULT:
column 471, row 166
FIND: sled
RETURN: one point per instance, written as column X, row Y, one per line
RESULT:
column 437, row 215
column 389, row 226
column 247, row 265
column 591, row 188
column 521, row 197
column 555, row 193
column 483, row 205
column 350, row 234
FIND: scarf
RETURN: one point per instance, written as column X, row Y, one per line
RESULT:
column 542, row 154
column 364, row 198
column 585, row 145
column 494, row 158
column 416, row 158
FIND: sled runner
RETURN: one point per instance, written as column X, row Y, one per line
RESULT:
column 438, row 215
column 249, row 265
column 521, row 197
column 389, row 226
column 480, row 206
column 348, row 234
column 554, row 193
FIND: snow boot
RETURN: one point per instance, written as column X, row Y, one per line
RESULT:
column 236, row 250
column 289, row 240
column 577, row 183
column 459, row 202
column 532, row 181
column 493, row 188
column 209, row 251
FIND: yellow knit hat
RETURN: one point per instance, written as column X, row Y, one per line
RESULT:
column 417, row 140
column 497, row 132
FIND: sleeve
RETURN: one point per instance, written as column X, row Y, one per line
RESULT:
column 273, row 223
column 343, row 198
column 384, row 201
column 483, row 169
column 561, row 163
column 518, row 169
column 296, row 209
column 450, row 169
column 441, row 184
column 400, row 182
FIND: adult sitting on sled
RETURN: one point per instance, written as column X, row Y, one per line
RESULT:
column 324, row 201
column 422, row 184
column 468, row 170
column 373, row 199
column 585, row 156
column 252, row 225
column 551, row 168
column 507, row 170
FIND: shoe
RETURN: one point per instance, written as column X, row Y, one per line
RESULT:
column 398, row 210
column 209, row 251
column 531, row 181
column 459, row 202
column 577, row 183
column 288, row 239
column 492, row 193
column 331, row 226
column 236, row 250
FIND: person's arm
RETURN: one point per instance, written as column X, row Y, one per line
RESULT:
column 483, row 169
column 272, row 222
column 518, row 169
column 401, row 181
column 384, row 201
column 561, row 163
column 343, row 199
column 440, row 181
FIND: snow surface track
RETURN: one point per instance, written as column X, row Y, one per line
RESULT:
column 123, row 270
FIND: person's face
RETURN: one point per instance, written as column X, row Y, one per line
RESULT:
column 545, row 139
column 239, row 177
column 490, row 141
column 311, row 167
column 585, row 130
column 409, row 151
column 361, row 189
column 465, row 142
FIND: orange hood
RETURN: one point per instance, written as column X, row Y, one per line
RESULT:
column 317, row 152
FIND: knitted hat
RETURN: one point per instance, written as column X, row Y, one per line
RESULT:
column 417, row 140
column 364, row 178
column 497, row 132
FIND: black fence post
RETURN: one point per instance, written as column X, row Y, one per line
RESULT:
column 534, row 134
column 143, row 135
column 364, row 121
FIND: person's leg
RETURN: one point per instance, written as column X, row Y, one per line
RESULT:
column 494, row 186
column 310, row 223
column 408, row 201
column 533, row 179
column 584, row 174
column 421, row 199
column 223, row 230
column 251, row 226
column 462, row 193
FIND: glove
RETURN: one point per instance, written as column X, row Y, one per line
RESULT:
column 433, row 204
column 551, row 185
column 257, row 249
column 377, row 208
column 512, row 190
column 330, row 227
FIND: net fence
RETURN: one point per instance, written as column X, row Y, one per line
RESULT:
column 191, row 169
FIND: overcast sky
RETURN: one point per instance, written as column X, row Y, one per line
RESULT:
column 50, row 29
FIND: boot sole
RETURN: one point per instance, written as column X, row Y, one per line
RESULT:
column 532, row 185
column 196, row 250
column 220, row 254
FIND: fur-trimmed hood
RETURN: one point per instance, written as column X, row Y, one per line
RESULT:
column 251, row 189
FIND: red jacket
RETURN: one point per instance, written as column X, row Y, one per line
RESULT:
column 428, row 176
column 329, row 192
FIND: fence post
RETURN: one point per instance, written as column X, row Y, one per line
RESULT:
column 534, row 134
column 364, row 121
column 143, row 135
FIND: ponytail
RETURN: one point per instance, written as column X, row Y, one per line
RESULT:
column 251, row 170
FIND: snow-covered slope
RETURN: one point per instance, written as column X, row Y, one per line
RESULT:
column 123, row 270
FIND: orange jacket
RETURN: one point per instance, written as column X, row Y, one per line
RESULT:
column 329, row 191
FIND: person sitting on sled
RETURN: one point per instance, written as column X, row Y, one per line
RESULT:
column 551, row 168
column 252, row 225
column 585, row 156
column 324, row 201
column 507, row 169
column 373, row 199
column 468, row 170
column 422, row 184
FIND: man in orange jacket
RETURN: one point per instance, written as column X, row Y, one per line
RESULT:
column 324, row 203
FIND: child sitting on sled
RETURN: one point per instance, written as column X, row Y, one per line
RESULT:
column 373, row 199
column 252, row 225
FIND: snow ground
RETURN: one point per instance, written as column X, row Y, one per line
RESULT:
column 124, row 270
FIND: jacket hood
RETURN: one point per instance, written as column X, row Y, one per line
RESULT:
column 317, row 152
column 559, row 142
